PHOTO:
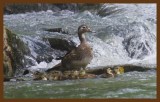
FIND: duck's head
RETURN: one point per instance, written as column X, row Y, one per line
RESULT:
column 83, row 29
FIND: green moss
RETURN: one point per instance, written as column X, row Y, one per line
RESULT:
column 18, row 50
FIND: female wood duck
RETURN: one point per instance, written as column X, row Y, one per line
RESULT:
column 79, row 57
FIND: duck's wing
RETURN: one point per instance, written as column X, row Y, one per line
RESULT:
column 68, row 57
column 60, row 58
column 73, row 55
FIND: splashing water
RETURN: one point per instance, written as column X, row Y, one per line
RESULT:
column 121, row 37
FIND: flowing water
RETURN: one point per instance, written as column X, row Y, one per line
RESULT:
column 128, row 36
column 128, row 85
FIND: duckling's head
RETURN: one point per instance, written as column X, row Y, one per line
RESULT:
column 75, row 73
column 67, row 73
column 83, row 29
column 119, row 70
column 109, row 71
column 55, row 73
column 38, row 75
column 82, row 72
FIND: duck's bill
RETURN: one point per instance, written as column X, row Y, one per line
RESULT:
column 93, row 31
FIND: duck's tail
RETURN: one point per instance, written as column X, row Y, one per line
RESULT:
column 56, row 67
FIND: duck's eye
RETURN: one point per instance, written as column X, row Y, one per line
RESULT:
column 84, row 27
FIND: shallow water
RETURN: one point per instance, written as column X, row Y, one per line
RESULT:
column 129, row 85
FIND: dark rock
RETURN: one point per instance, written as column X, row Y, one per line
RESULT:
column 127, row 68
column 62, row 43
column 59, row 30
column 26, row 72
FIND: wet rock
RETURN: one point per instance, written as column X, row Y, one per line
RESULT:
column 59, row 30
column 40, row 50
column 13, row 53
column 126, row 68
column 62, row 42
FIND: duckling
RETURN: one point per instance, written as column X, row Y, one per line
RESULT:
column 82, row 72
column 108, row 73
column 66, row 75
column 79, row 57
column 74, row 74
column 119, row 70
column 55, row 75
column 84, row 75
column 39, row 76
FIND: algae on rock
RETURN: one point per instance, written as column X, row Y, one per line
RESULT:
column 13, row 53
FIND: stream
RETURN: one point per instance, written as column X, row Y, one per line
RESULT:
column 125, row 37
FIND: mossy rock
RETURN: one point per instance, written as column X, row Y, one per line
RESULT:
column 13, row 53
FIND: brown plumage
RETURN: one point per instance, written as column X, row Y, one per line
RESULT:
column 79, row 57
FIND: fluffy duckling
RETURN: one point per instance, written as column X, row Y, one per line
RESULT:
column 55, row 75
column 66, row 75
column 119, row 70
column 108, row 73
column 82, row 72
column 39, row 76
column 74, row 74
column 84, row 75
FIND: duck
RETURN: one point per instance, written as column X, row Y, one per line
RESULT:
column 119, row 70
column 108, row 73
column 74, row 74
column 39, row 75
column 55, row 75
column 84, row 75
column 82, row 72
column 66, row 75
column 80, row 56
